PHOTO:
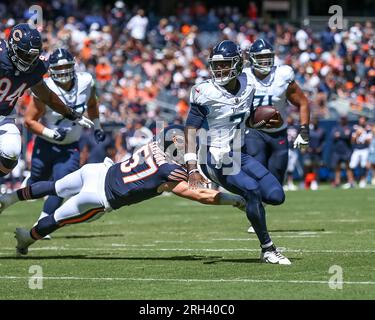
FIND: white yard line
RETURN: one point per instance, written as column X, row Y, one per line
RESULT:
column 186, row 249
column 189, row 280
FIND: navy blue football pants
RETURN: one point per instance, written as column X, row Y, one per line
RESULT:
column 253, row 182
column 270, row 149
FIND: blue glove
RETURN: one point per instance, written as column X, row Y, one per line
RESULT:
column 60, row 134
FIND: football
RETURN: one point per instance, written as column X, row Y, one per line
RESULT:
column 262, row 116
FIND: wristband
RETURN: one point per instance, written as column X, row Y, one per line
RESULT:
column 97, row 125
column 190, row 157
column 72, row 116
column 48, row 133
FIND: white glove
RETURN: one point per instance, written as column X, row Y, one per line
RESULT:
column 302, row 140
column 85, row 122
column 300, row 143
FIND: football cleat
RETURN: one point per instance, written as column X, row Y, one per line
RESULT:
column 24, row 240
column 274, row 257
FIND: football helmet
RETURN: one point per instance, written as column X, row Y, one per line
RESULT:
column 262, row 56
column 171, row 141
column 61, row 66
column 24, row 47
column 225, row 62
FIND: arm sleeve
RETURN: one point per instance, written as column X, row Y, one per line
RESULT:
column 196, row 116
column 177, row 173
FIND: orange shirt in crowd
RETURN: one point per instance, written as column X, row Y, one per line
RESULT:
column 103, row 72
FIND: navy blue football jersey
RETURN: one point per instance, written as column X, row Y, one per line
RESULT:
column 13, row 83
column 138, row 178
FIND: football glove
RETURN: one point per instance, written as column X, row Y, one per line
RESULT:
column 99, row 135
column 60, row 134
column 302, row 140
column 80, row 119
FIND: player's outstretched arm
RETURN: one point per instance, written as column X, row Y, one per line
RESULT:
column 51, row 99
column 191, row 159
column 93, row 113
column 35, row 110
column 295, row 95
column 205, row 196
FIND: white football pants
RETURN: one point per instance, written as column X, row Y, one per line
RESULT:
column 85, row 190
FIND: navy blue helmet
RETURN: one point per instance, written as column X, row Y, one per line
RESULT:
column 24, row 47
column 225, row 62
column 61, row 66
column 171, row 141
column 262, row 56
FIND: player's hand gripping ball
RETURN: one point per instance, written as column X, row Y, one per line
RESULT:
column 265, row 117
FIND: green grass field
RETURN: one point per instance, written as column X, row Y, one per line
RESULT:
column 170, row 248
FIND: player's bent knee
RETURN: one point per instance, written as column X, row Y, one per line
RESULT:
column 275, row 196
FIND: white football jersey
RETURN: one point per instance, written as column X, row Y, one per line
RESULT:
column 76, row 98
column 225, row 112
column 272, row 91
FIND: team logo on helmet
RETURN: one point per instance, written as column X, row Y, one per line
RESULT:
column 17, row 35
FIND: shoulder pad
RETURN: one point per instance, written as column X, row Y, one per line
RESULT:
column 286, row 73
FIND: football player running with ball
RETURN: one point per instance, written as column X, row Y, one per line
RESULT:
column 22, row 66
column 222, row 105
column 274, row 86
column 101, row 187
column 56, row 150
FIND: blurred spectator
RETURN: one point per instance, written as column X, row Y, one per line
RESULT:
column 145, row 64
column 137, row 25
column 292, row 132
column 371, row 156
column 341, row 152
column 361, row 138
column 312, row 157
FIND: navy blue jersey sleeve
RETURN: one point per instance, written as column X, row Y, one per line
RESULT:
column 175, row 172
column 197, row 115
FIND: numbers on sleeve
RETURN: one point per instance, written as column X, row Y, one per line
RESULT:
column 127, row 166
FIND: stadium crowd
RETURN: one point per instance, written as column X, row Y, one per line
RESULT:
column 145, row 65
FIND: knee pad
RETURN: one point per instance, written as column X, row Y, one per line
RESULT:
column 10, row 148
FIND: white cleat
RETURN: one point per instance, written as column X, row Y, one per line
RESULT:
column 362, row 184
column 24, row 240
column 47, row 237
column 274, row 257
column 251, row 230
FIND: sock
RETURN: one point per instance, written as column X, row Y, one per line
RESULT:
column 42, row 215
column 37, row 190
column 268, row 247
column 44, row 227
